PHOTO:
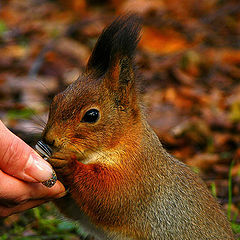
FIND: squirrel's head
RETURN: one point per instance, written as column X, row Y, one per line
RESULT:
column 100, row 109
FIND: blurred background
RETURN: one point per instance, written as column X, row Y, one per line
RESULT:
column 189, row 60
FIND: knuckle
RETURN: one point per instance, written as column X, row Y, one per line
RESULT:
column 2, row 182
column 10, row 203
column 4, row 185
column 20, row 199
column 14, row 154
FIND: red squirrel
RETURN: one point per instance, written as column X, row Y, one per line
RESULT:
column 122, row 182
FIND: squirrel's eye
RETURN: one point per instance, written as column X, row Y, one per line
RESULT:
column 91, row 116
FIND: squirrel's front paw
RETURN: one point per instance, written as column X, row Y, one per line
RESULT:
column 59, row 160
column 62, row 162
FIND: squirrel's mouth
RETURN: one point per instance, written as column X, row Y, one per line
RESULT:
column 43, row 150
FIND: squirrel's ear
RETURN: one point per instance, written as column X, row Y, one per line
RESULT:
column 113, row 53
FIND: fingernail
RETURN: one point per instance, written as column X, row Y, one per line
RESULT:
column 38, row 168
column 50, row 182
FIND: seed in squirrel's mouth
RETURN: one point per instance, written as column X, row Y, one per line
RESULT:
column 43, row 149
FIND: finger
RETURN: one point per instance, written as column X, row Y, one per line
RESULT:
column 5, row 212
column 14, row 191
column 20, row 160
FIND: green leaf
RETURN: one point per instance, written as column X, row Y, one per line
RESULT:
column 4, row 237
column 214, row 189
column 25, row 113
column 3, row 27
column 235, row 112
column 236, row 227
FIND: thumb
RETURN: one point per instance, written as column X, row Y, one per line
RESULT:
column 21, row 161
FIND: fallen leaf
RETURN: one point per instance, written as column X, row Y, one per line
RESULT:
column 203, row 161
column 165, row 41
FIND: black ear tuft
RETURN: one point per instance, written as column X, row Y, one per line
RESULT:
column 120, row 39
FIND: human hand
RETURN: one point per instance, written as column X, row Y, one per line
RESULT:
column 21, row 172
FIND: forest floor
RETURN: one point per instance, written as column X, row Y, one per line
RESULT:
column 189, row 61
